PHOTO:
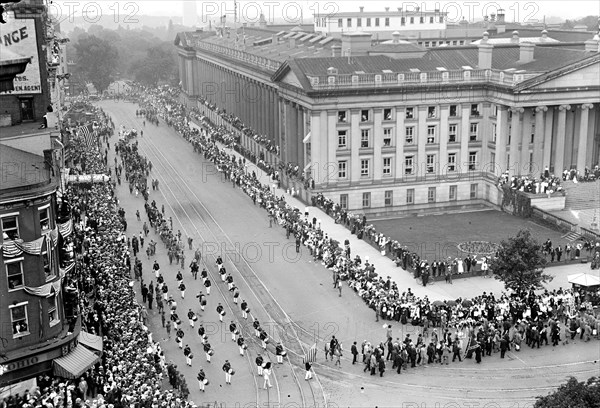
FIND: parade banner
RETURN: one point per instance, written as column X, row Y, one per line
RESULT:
column 18, row 36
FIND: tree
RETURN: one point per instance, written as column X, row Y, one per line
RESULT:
column 520, row 263
column 158, row 65
column 573, row 394
column 96, row 60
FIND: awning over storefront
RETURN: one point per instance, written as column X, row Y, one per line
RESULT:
column 74, row 364
column 91, row 341
column 18, row 388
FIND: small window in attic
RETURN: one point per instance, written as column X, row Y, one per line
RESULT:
column 415, row 70
column 387, row 71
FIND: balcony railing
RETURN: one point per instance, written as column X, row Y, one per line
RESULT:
column 411, row 78
column 240, row 55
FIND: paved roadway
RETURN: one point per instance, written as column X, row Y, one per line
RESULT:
column 294, row 300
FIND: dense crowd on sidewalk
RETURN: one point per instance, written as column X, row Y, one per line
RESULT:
column 482, row 321
column 132, row 366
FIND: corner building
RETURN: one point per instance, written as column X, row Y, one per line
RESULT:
column 392, row 127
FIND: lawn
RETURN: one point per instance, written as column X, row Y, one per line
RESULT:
column 436, row 236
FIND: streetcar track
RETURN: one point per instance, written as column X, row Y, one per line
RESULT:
column 260, row 286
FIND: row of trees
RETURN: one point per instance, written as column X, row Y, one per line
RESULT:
column 102, row 56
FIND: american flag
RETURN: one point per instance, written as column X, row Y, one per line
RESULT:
column 88, row 134
column 311, row 356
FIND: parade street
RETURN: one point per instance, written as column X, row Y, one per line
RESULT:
column 295, row 301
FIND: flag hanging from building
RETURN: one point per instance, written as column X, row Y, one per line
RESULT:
column 311, row 356
column 88, row 134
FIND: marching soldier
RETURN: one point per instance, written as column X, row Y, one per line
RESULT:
column 259, row 364
column 242, row 345
column 208, row 350
column 256, row 325
column 280, row 352
column 192, row 317
column 202, row 380
column 207, row 285
column 228, row 371
column 202, row 299
column 245, row 309
column 187, row 352
column 234, row 331
column 179, row 338
column 202, row 334
column 221, row 312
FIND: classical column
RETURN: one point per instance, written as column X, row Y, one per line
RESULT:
column 527, row 168
column 559, row 151
column 300, row 136
column 501, row 138
column 515, row 139
column 377, row 144
column 399, row 143
column 540, row 144
column 421, row 164
column 465, row 111
column 442, row 167
column 583, row 137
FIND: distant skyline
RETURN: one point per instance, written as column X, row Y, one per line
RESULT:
column 293, row 12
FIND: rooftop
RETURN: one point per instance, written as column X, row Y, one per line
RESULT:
column 23, row 129
column 19, row 168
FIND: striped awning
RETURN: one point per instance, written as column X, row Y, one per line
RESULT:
column 91, row 341
column 74, row 364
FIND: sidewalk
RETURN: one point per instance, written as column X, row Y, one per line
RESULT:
column 465, row 288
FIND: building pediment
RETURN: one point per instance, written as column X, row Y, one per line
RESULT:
column 578, row 75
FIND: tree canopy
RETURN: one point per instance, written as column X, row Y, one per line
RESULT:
column 520, row 263
column 573, row 394
column 96, row 61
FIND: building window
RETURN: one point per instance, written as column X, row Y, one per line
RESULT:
column 387, row 21
column 494, row 132
column 14, row 273
column 493, row 161
column 430, row 134
column 366, row 200
column 412, row 20
column 44, row 218
column 342, row 116
column 359, row 22
column 410, row 131
column 364, row 138
column 349, row 22
column 431, row 112
column 451, row 161
column 364, row 115
column 474, row 109
column 531, row 162
column 387, row 114
column 473, row 191
column 451, row 133
column 10, row 227
column 441, row 19
column 473, row 132
column 368, row 22
column 18, row 319
column 431, row 20
column 340, row 23
column 52, row 311
column 410, row 196
column 387, row 137
column 377, row 22
column 430, row 163
column 410, row 113
column 342, row 169
column 48, row 270
column 364, row 168
column 387, row 166
column 403, row 21
column 472, row 160
column 452, row 195
column 421, row 20
column 344, row 201
column 532, row 133
column 452, row 110
column 408, row 165
column 427, row 44
column 431, row 195
column 342, row 139
column 461, row 42
column 388, row 198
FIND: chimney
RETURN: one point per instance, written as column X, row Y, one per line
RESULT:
column 396, row 37
column 515, row 37
column 500, row 23
column 387, row 9
column 336, row 51
column 292, row 43
column 544, row 35
column 486, row 37
column 485, row 53
column 591, row 45
column 356, row 43
column 526, row 52
column 361, row 9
